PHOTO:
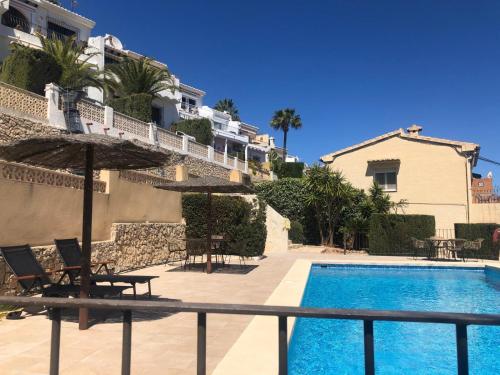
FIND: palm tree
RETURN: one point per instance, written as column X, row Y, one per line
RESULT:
column 73, row 58
column 131, row 77
column 284, row 119
column 227, row 105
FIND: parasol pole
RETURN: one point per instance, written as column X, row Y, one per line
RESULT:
column 88, row 189
column 209, row 232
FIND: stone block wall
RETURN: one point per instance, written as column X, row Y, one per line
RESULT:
column 200, row 168
column 12, row 128
column 132, row 246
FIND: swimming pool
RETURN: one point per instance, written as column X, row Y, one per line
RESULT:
column 322, row 346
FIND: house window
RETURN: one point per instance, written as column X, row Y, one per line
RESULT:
column 15, row 19
column 387, row 180
column 188, row 104
column 55, row 31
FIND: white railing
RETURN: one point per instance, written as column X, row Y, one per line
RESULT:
column 131, row 125
column 197, row 149
column 169, row 139
column 219, row 157
column 17, row 99
column 42, row 176
column 101, row 119
column 90, row 111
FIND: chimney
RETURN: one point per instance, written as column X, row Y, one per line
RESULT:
column 271, row 142
column 414, row 130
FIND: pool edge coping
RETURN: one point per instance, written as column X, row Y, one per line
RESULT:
column 256, row 349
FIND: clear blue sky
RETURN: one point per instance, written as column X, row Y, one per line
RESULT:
column 353, row 69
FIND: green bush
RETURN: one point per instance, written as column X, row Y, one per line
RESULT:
column 287, row 196
column 201, row 129
column 296, row 232
column 242, row 222
column 293, row 170
column 391, row 234
column 489, row 250
column 30, row 69
column 138, row 106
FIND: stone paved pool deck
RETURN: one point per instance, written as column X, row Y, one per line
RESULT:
column 162, row 344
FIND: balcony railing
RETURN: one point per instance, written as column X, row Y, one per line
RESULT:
column 16, row 22
column 461, row 321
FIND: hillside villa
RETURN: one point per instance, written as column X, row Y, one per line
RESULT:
column 431, row 175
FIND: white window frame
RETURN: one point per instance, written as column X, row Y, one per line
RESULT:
column 388, row 188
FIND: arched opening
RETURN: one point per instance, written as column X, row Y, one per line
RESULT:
column 15, row 19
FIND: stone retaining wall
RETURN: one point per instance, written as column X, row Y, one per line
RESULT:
column 132, row 246
column 12, row 128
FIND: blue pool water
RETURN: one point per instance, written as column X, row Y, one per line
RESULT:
column 321, row 346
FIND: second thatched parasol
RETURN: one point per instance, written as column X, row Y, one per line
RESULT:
column 208, row 185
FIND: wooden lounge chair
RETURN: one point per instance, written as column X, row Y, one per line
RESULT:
column 70, row 252
column 33, row 278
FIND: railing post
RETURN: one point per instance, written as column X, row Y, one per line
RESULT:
column 185, row 144
column 462, row 354
column 283, row 345
column 210, row 153
column 55, row 341
column 202, row 344
column 55, row 115
column 109, row 117
column 126, row 342
column 369, row 351
column 153, row 137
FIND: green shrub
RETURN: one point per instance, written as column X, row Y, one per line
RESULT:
column 488, row 250
column 138, row 106
column 201, row 129
column 296, row 232
column 242, row 222
column 391, row 234
column 30, row 69
column 293, row 170
column 287, row 196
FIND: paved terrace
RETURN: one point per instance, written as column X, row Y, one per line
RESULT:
column 160, row 343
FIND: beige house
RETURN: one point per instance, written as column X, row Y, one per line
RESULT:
column 433, row 175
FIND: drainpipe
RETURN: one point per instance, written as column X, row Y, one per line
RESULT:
column 467, row 190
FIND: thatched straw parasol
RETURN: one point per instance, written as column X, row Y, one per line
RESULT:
column 207, row 185
column 85, row 152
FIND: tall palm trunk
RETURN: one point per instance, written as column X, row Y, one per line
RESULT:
column 285, row 133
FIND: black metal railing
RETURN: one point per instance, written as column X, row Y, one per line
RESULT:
column 461, row 321
column 15, row 22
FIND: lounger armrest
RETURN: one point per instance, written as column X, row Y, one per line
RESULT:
column 28, row 277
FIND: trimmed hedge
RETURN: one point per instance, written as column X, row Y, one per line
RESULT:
column 489, row 250
column 138, row 106
column 242, row 222
column 292, row 170
column 30, row 69
column 391, row 234
column 296, row 232
column 201, row 129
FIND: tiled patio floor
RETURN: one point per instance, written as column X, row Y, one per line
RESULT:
column 161, row 344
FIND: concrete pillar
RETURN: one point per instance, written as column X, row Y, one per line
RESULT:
column 246, row 159
column 185, row 144
column 236, row 176
column 55, row 115
column 210, row 153
column 181, row 173
column 153, row 139
column 225, row 152
column 235, row 162
column 108, row 117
